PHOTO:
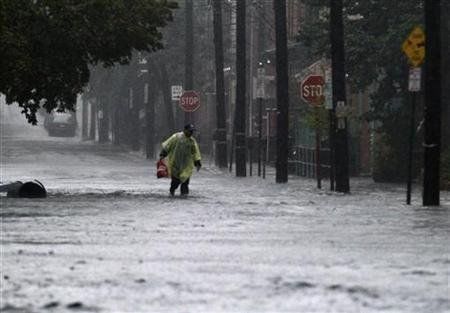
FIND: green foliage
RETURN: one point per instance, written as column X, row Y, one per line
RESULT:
column 317, row 118
column 374, row 33
column 46, row 46
column 388, row 165
column 374, row 39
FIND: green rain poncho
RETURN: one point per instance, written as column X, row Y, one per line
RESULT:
column 182, row 152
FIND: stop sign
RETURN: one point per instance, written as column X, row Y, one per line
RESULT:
column 189, row 101
column 311, row 89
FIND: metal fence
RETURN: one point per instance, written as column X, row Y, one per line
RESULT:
column 302, row 161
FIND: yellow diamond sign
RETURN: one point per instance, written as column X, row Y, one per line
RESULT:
column 414, row 46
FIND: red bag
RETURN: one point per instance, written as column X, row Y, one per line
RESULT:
column 161, row 169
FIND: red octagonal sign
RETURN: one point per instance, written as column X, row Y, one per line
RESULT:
column 189, row 101
column 311, row 89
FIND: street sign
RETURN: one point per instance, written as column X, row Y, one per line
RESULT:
column 311, row 89
column 414, row 46
column 189, row 101
column 414, row 79
column 177, row 90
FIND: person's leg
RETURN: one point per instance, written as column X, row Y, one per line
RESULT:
column 185, row 187
column 174, row 185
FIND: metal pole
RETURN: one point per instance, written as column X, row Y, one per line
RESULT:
column 318, row 172
column 232, row 152
column 250, row 155
column 331, row 143
column 266, row 155
column 259, row 134
column 411, row 145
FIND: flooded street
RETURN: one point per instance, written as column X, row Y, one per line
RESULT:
column 355, row 93
column 109, row 239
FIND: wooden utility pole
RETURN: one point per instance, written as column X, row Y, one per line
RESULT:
column 339, row 96
column 445, row 75
column 261, row 77
column 240, row 116
column 189, row 53
column 432, row 114
column 282, row 91
column 221, row 131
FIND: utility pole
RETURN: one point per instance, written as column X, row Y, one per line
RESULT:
column 432, row 114
column 251, row 96
column 189, row 53
column 261, row 78
column 240, row 146
column 282, row 91
column 221, row 131
column 339, row 96
column 445, row 75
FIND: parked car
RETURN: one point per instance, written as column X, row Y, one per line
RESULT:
column 61, row 124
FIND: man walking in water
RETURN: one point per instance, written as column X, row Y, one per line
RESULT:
column 183, row 154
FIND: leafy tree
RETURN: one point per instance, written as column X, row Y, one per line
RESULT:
column 374, row 33
column 46, row 46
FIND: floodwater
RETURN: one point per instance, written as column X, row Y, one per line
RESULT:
column 110, row 239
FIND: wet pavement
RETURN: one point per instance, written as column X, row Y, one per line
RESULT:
column 110, row 239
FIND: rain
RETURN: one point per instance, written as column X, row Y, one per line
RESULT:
column 225, row 156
